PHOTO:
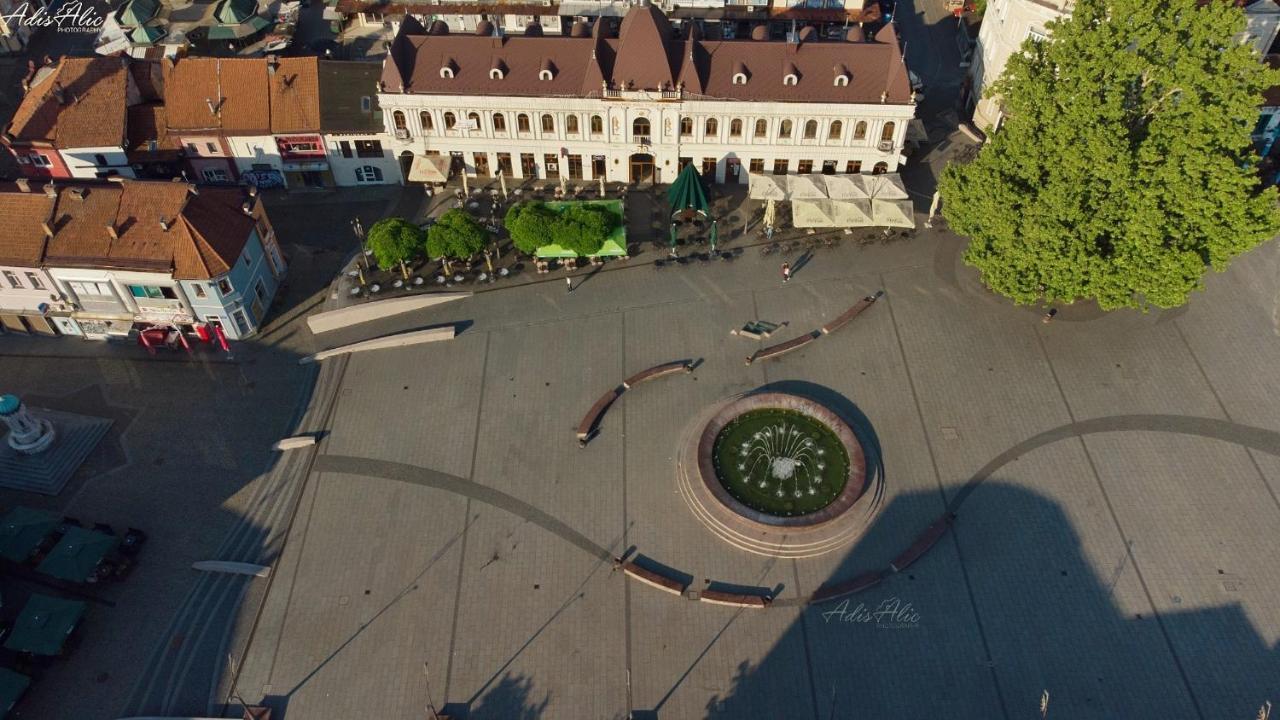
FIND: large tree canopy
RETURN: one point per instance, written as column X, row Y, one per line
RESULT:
column 394, row 240
column 529, row 224
column 1123, row 168
column 456, row 236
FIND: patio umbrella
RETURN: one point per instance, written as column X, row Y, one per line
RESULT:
column 687, row 193
column 502, row 183
column 715, row 235
column 765, row 187
column 770, row 215
column 804, row 187
column 602, row 186
column 12, row 686
column 892, row 213
column 77, row 554
column 21, row 531
column 811, row 213
column 845, row 187
column 465, row 190
column 886, row 187
column 851, row 213
column 563, row 189
column 44, row 624
column 673, row 235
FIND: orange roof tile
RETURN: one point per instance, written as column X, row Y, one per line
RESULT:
column 295, row 95
column 24, row 213
column 80, row 104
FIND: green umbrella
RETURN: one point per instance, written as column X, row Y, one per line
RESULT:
column 77, row 554
column 715, row 235
column 12, row 686
column 44, row 624
column 686, row 192
column 673, row 234
column 21, row 531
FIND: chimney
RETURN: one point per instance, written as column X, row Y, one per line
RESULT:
column 273, row 62
column 111, row 231
column 213, row 109
column 59, row 93
column 164, row 225
column 24, row 185
column 253, row 190
column 247, row 207
column 48, row 229
column 50, row 190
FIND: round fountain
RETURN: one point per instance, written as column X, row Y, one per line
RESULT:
column 778, row 474
column 28, row 434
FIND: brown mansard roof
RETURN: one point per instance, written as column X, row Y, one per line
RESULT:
column 647, row 55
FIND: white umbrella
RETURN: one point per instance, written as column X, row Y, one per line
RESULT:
column 851, row 213
column 764, row 187
column 502, row 183
column 887, row 187
column 803, row 187
column 844, row 187
column 769, row 214
column 563, row 190
column 811, row 213
column 601, row 186
column 892, row 213
column 465, row 189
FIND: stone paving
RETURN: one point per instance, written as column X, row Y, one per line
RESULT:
column 1121, row 561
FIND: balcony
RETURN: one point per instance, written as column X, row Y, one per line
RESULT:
column 402, row 133
column 885, row 146
column 643, row 140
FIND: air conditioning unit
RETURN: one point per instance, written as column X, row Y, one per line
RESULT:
column 402, row 133
column 885, row 146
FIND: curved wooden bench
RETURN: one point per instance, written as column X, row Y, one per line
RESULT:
column 592, row 418
column 657, row 371
column 851, row 313
column 717, row 597
column 926, row 540
column 587, row 428
column 782, row 348
column 858, row 584
column 649, row 577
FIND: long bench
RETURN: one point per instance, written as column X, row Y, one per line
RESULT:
column 717, row 597
column 851, row 313
column 657, row 371
column 587, row 428
column 588, row 425
column 649, row 577
column 924, row 541
column 858, row 584
column 774, row 351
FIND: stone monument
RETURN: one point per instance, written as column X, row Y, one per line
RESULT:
column 28, row 435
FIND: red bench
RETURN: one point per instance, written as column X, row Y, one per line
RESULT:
column 858, row 584
column 649, row 577
column 717, row 597
column 592, row 418
column 587, row 427
column 781, row 348
column 657, row 371
column 851, row 313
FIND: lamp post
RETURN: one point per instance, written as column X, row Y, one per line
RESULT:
column 426, row 679
column 358, row 229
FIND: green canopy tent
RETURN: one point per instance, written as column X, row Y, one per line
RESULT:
column 12, row 687
column 44, row 624
column 21, row 531
column 77, row 554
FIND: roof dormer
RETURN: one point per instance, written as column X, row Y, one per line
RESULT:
column 449, row 69
column 841, row 75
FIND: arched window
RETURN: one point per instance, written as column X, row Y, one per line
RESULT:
column 711, row 127
column 880, row 168
column 810, row 129
column 450, row 121
column 886, row 134
column 784, row 129
column 762, row 128
column 428, row 125
column 522, row 122
column 397, row 117
column 739, row 78
column 842, row 81
column 495, row 74
column 790, row 79
column 597, row 125
column 475, row 120
column 735, row 128
column 548, row 124
column 640, row 127
column 499, row 123
column 860, row 130
column 686, row 126
column 837, row 127
column 571, row 124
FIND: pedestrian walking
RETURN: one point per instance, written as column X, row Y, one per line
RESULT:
column 568, row 283
column 1048, row 317
column 786, row 272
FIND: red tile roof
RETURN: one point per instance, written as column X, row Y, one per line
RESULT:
column 158, row 226
column 647, row 56
column 24, row 213
column 242, row 96
column 295, row 95
column 80, row 104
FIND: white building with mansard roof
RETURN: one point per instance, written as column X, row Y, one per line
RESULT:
column 635, row 104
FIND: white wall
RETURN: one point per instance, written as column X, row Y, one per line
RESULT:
column 82, row 163
column 249, row 150
column 667, row 146
column 26, row 297
column 344, row 169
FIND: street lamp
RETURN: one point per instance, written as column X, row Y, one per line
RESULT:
column 358, row 229
column 431, row 704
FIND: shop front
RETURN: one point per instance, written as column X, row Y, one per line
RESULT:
column 304, row 161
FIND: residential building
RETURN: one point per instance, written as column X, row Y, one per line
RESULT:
column 28, row 296
column 638, row 106
column 1007, row 23
column 130, row 255
column 351, row 122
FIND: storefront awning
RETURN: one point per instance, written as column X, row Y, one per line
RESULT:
column 429, row 169
column 312, row 166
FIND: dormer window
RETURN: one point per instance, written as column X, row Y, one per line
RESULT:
column 842, row 80
column 547, row 71
column 841, row 75
column 495, row 74
column 448, row 70
column 498, row 70
column 544, row 74
column 790, row 79
column 739, row 78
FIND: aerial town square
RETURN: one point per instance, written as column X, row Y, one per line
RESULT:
column 627, row 359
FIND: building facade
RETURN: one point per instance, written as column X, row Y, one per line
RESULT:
column 616, row 108
column 28, row 297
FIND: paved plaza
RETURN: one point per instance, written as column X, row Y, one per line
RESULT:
column 1118, row 554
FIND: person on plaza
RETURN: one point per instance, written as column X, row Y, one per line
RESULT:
column 1048, row 317
column 568, row 283
column 786, row 272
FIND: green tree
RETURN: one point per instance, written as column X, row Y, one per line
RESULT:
column 455, row 236
column 1122, row 171
column 529, row 224
column 394, row 241
column 583, row 228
